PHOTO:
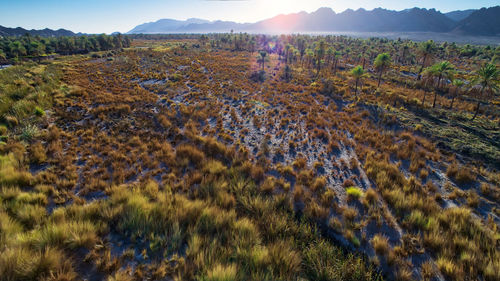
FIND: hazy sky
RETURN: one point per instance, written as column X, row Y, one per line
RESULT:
column 98, row 16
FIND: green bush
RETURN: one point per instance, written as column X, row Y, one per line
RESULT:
column 39, row 112
column 29, row 132
column 3, row 130
column 354, row 192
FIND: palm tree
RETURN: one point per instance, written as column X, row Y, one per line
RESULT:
column 347, row 51
column 252, row 45
column 330, row 52
column 458, row 84
column 441, row 70
column 288, row 47
column 280, row 49
column 17, row 49
column 363, row 56
column 427, row 49
column 406, row 48
column 36, row 49
column 295, row 55
column 487, row 78
column 262, row 58
column 301, row 46
column 337, row 55
column 319, row 53
column 382, row 62
column 309, row 54
column 358, row 72
column 204, row 39
column 428, row 76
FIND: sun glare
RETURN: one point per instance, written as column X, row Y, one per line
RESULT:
column 266, row 8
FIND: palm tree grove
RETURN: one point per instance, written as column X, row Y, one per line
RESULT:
column 249, row 140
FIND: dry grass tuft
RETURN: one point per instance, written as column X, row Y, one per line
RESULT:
column 380, row 244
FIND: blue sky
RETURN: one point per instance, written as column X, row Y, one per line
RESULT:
column 97, row 16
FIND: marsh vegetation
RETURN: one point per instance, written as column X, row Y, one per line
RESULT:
column 242, row 157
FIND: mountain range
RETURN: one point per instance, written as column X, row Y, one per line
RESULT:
column 485, row 21
column 7, row 31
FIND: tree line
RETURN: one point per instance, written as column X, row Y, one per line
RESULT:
column 433, row 70
column 28, row 46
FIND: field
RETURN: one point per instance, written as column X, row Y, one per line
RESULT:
column 225, row 157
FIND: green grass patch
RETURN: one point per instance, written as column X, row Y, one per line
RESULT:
column 354, row 192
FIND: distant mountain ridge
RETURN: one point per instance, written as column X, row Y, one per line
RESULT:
column 481, row 22
column 459, row 15
column 18, row 31
column 164, row 25
column 470, row 22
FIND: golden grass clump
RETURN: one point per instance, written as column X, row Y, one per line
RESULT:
column 285, row 261
column 191, row 153
column 221, row 273
column 461, row 174
column 268, row 185
column 472, row 199
column 380, row 244
column 318, row 184
column 214, row 167
column 24, row 264
column 299, row 163
column 427, row 270
column 371, row 195
column 327, row 197
column 10, row 174
column 315, row 211
column 257, row 173
column 448, row 268
column 404, row 274
column 37, row 153
column 350, row 214
column 464, row 176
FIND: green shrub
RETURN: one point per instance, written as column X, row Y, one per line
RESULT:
column 10, row 175
column 417, row 219
column 3, row 130
column 39, row 112
column 354, row 192
column 29, row 132
column 349, row 235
